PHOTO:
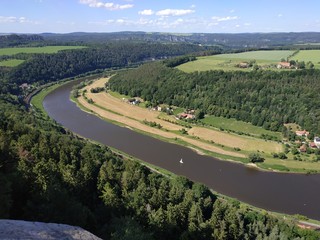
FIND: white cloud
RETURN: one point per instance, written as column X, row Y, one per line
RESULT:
column 107, row 5
column 222, row 19
column 147, row 12
column 280, row 15
column 193, row 6
column 174, row 12
column 7, row 19
column 11, row 19
column 232, row 11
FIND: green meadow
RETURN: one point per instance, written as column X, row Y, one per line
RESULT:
column 228, row 62
column 47, row 49
column 238, row 126
column 11, row 63
column 273, row 56
column 30, row 50
column 309, row 55
column 265, row 59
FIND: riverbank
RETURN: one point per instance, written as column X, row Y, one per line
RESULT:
column 248, row 185
column 226, row 146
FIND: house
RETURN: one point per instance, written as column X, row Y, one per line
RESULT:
column 186, row 116
column 312, row 145
column 303, row 148
column 317, row 141
column 134, row 101
column 157, row 108
column 25, row 86
column 285, row 65
column 303, row 133
column 243, row 65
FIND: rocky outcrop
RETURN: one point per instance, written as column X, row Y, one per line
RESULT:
column 16, row 229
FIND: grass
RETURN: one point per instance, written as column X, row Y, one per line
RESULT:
column 274, row 55
column 238, row 126
column 228, row 62
column 37, row 100
column 309, row 55
column 47, row 49
column 11, row 63
column 289, row 165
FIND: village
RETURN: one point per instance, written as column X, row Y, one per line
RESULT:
column 304, row 144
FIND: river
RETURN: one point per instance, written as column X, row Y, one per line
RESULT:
column 280, row 192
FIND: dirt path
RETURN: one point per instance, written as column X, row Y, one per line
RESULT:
column 132, row 115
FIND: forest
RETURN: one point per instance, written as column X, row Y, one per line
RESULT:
column 263, row 98
column 48, row 174
column 51, row 67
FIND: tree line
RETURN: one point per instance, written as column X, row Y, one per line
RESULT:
column 263, row 98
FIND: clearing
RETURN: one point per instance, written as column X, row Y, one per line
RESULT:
column 228, row 62
column 47, row 49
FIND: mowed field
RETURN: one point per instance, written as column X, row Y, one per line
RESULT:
column 100, row 108
column 47, row 49
column 238, row 126
column 228, row 62
column 274, row 55
column 28, row 50
column 116, row 109
column 309, row 55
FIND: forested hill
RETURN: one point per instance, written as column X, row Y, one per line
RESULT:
column 236, row 40
column 13, row 40
column 52, row 67
column 264, row 98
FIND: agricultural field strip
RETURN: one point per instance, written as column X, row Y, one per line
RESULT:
column 47, row 49
column 258, row 55
column 227, row 62
column 308, row 55
column 230, row 140
column 227, row 139
column 140, row 126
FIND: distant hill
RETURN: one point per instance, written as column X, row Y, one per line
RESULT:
column 237, row 40
column 13, row 40
column 225, row 40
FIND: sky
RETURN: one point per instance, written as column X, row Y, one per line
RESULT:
column 176, row 16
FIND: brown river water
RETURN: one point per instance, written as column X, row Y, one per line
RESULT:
column 280, row 192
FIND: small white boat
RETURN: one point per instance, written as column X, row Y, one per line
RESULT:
column 181, row 161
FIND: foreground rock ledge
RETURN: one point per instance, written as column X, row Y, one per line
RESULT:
column 16, row 229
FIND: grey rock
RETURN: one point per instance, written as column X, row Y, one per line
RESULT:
column 17, row 229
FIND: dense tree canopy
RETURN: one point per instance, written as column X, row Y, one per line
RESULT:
column 264, row 98
column 47, row 174
column 51, row 67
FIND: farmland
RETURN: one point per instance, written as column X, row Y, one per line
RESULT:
column 47, row 49
column 221, row 137
column 309, row 55
column 29, row 50
column 264, row 59
column 238, row 126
